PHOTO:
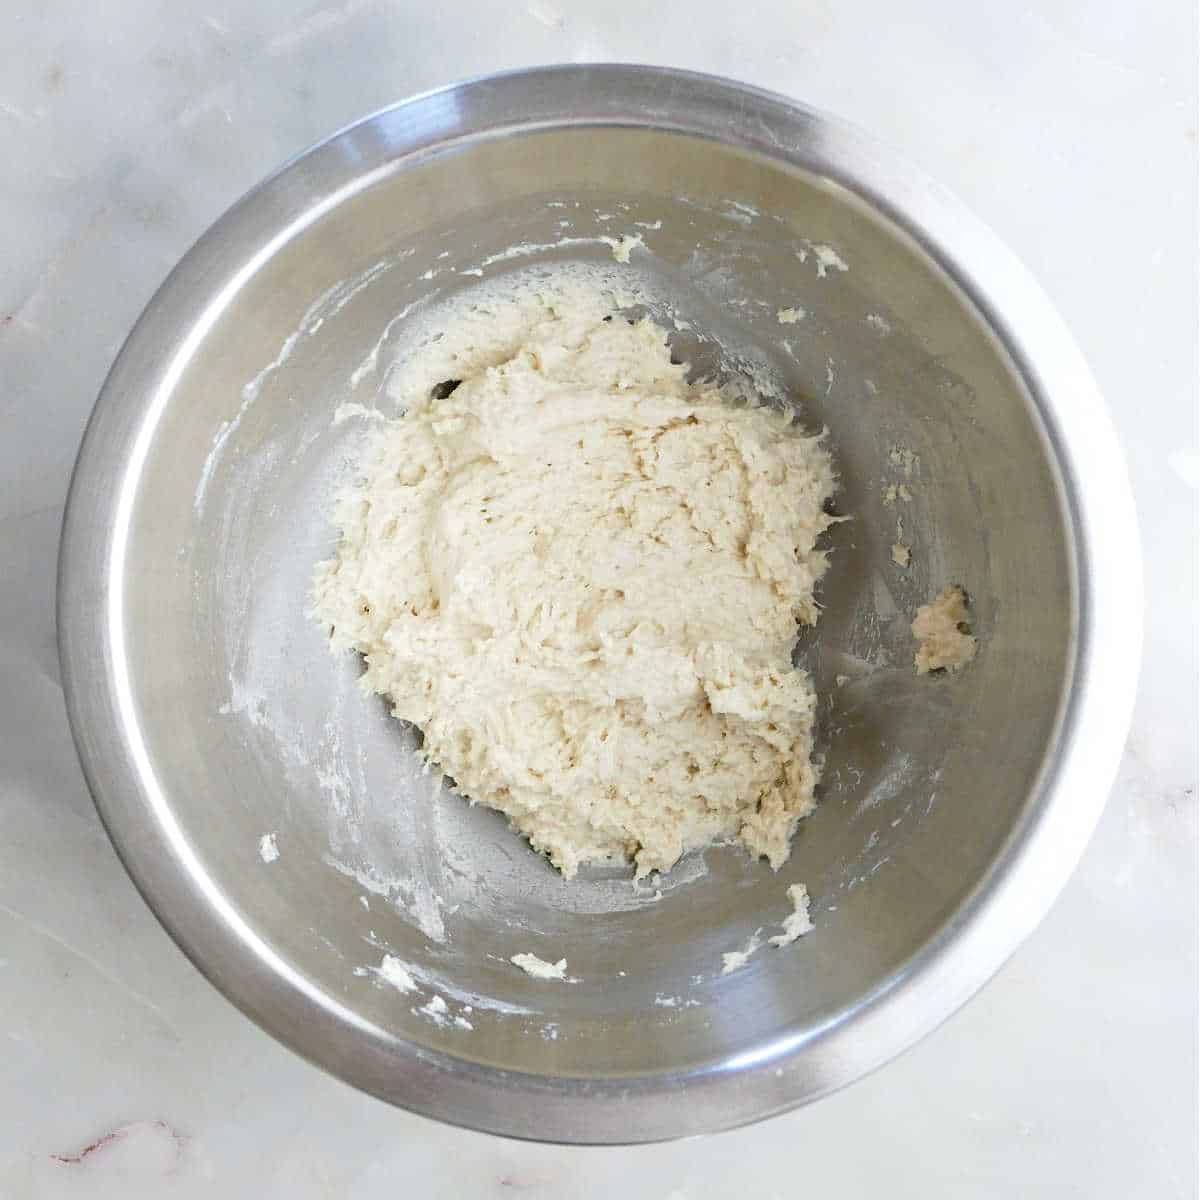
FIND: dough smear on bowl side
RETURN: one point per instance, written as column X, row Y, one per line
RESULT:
column 581, row 576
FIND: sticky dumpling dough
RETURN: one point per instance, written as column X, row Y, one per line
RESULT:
column 581, row 577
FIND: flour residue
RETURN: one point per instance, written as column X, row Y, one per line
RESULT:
column 326, row 306
column 621, row 248
column 351, row 410
column 733, row 960
column 412, row 896
column 416, row 977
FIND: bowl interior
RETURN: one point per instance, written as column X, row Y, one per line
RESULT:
column 252, row 727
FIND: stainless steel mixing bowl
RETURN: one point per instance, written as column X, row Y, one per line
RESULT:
column 209, row 712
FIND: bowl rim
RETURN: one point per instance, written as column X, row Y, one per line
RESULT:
column 1004, row 906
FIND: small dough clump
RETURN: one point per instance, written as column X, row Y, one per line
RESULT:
column 941, row 628
column 797, row 923
column 396, row 973
column 580, row 575
column 735, row 960
column 539, row 968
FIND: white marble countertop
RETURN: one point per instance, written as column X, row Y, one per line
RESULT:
column 126, row 128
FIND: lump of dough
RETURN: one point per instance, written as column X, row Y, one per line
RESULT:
column 735, row 960
column 797, row 923
column 539, row 968
column 941, row 628
column 580, row 576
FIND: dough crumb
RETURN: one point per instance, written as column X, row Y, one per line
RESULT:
column 517, row 565
column 827, row 257
column 622, row 246
column 733, row 959
column 789, row 316
column 901, row 554
column 942, row 629
column 797, row 923
column 395, row 972
column 268, row 847
column 438, row 1011
column 539, row 968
